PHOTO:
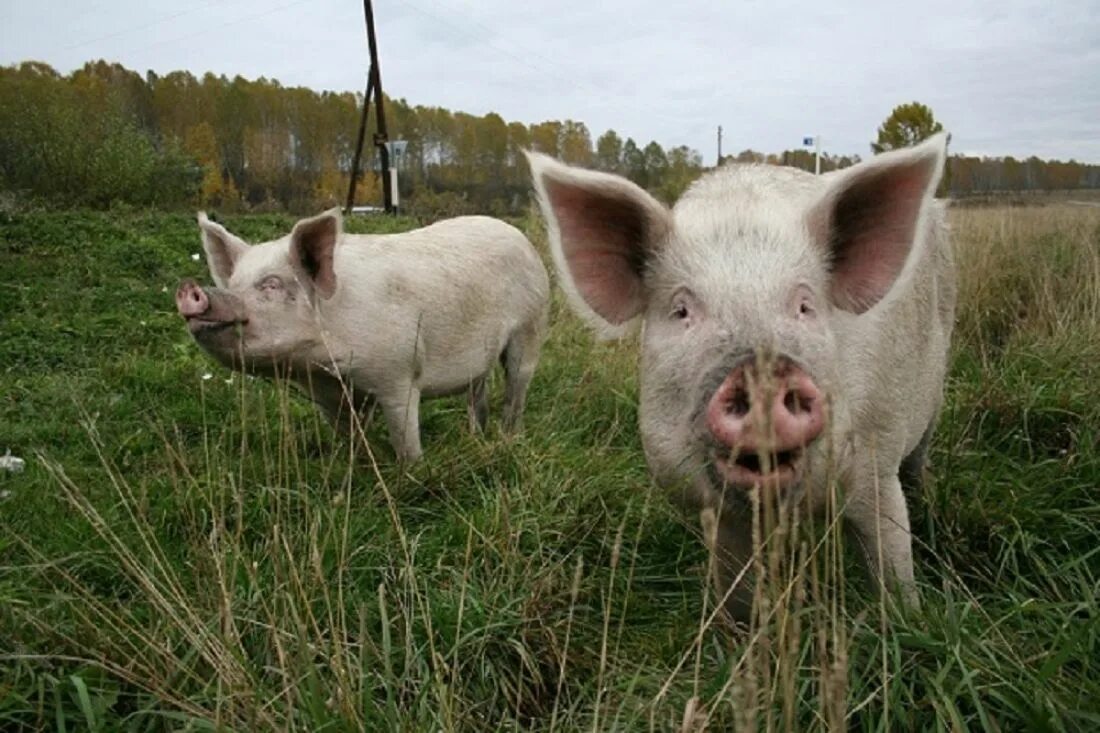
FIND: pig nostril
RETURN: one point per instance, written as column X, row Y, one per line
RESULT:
column 796, row 402
column 738, row 404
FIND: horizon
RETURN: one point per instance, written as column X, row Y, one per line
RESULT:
column 726, row 154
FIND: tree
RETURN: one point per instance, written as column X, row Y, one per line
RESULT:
column 201, row 144
column 576, row 143
column 633, row 166
column 519, row 139
column 492, row 143
column 609, row 152
column 684, row 166
column 466, row 149
column 546, row 138
column 656, row 164
column 104, row 134
column 907, row 125
column 72, row 140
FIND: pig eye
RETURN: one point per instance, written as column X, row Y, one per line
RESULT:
column 271, row 283
column 683, row 307
column 804, row 303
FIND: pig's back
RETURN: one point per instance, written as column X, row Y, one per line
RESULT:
column 448, row 295
column 456, row 248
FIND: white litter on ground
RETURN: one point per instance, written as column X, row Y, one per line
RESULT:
column 8, row 462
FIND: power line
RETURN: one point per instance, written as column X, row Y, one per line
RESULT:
column 468, row 34
column 90, row 10
column 600, row 95
column 144, row 26
column 206, row 31
column 528, row 51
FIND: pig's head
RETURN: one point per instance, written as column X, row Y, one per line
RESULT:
column 741, row 289
column 261, row 314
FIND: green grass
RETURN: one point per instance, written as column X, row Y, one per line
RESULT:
column 185, row 553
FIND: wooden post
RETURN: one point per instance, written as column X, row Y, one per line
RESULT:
column 359, row 145
column 381, row 137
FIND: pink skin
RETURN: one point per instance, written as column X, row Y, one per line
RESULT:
column 191, row 300
column 207, row 310
column 764, row 421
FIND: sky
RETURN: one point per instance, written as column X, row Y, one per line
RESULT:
column 1005, row 77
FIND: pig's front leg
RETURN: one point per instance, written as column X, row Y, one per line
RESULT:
column 401, row 406
column 347, row 421
column 881, row 528
column 729, row 538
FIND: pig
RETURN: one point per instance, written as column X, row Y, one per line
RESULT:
column 360, row 320
column 794, row 331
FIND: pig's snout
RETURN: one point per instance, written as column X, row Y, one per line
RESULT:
column 208, row 312
column 191, row 299
column 753, row 411
column 762, row 417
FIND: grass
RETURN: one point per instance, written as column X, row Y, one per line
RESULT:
column 192, row 553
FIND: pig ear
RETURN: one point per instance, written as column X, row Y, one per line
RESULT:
column 312, row 249
column 871, row 218
column 603, row 231
column 223, row 250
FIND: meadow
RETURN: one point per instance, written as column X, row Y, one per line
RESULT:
column 188, row 549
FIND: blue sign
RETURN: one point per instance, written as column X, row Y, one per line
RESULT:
column 807, row 141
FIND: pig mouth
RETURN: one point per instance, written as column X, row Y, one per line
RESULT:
column 210, row 326
column 749, row 469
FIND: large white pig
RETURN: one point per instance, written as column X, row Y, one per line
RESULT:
column 795, row 329
column 387, row 319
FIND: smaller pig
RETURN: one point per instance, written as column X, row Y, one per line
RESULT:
column 359, row 320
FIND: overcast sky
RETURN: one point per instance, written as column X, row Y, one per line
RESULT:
column 1004, row 76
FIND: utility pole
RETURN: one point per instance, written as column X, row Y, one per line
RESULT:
column 359, row 144
column 381, row 137
column 719, row 145
column 374, row 86
column 816, row 140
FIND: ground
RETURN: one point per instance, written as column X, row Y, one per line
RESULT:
column 188, row 549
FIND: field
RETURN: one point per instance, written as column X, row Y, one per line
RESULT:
column 191, row 550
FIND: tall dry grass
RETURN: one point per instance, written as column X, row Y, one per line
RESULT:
column 1027, row 274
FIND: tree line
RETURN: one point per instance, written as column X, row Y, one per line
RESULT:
column 105, row 134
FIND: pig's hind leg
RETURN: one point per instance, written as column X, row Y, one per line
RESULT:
column 911, row 471
column 520, row 358
column 477, row 405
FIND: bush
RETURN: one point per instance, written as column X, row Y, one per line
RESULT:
column 58, row 146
